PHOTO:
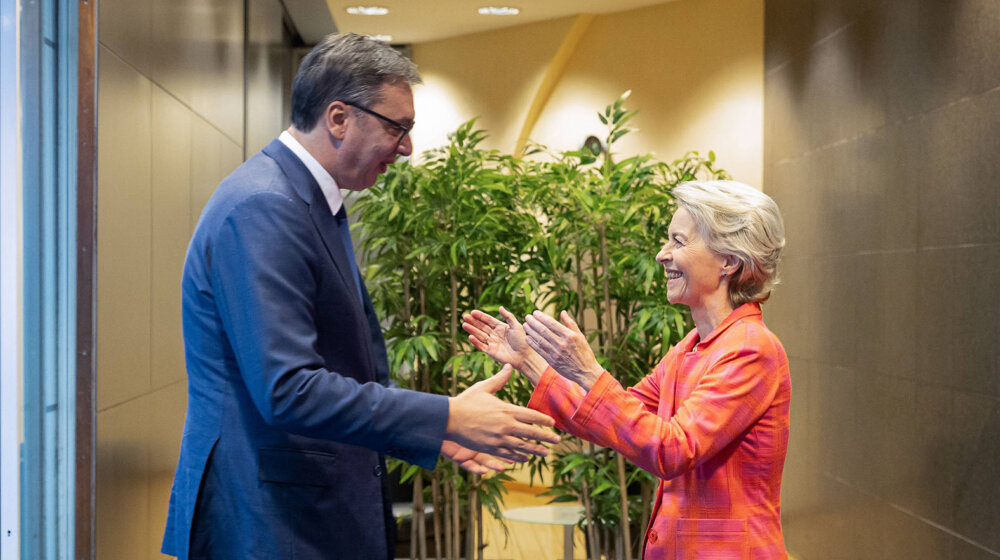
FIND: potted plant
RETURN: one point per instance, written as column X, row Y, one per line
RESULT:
column 471, row 228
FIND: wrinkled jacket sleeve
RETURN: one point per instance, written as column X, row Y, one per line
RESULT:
column 265, row 288
column 730, row 395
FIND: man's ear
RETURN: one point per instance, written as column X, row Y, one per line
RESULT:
column 335, row 119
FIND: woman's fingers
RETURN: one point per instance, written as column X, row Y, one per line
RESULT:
column 475, row 331
column 570, row 322
column 485, row 318
column 534, row 329
column 540, row 336
column 541, row 329
column 509, row 317
column 472, row 321
column 481, row 346
column 551, row 324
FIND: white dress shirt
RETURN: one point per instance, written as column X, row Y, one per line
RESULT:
column 326, row 182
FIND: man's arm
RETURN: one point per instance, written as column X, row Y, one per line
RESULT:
column 265, row 286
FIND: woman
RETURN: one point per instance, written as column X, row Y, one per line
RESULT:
column 711, row 421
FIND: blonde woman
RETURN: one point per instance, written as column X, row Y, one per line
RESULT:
column 711, row 421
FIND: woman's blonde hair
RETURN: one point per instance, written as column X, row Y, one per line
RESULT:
column 739, row 221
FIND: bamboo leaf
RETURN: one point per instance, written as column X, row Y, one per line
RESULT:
column 409, row 473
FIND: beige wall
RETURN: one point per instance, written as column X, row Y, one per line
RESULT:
column 695, row 69
column 170, row 127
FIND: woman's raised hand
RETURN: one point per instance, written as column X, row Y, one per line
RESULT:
column 504, row 342
column 564, row 347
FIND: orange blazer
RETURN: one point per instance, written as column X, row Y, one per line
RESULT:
column 711, row 422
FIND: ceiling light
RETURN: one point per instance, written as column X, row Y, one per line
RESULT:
column 382, row 38
column 367, row 10
column 499, row 11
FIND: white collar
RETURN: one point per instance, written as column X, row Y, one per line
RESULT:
column 327, row 184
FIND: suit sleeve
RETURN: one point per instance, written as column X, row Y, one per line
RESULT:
column 265, row 282
column 729, row 397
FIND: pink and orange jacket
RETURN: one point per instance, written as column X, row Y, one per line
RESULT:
column 711, row 422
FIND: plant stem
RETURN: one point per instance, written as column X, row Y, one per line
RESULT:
column 447, row 519
column 453, row 278
column 470, row 531
column 419, row 517
column 606, row 284
column 592, row 535
column 413, row 529
column 456, row 517
column 623, row 493
column 436, row 498
column 480, row 546
column 601, row 334
column 626, row 530
column 579, row 285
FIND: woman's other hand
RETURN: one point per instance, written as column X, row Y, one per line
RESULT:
column 564, row 347
column 503, row 341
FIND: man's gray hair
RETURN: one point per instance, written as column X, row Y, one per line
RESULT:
column 349, row 68
column 737, row 220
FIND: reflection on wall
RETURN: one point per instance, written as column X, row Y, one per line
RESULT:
column 269, row 74
column 171, row 125
column 882, row 131
column 695, row 69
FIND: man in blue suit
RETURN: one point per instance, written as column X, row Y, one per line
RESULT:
column 290, row 407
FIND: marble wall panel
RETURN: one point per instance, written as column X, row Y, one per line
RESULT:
column 122, row 495
column 125, row 28
column 899, row 215
column 171, row 171
column 198, row 57
column 268, row 63
column 123, row 232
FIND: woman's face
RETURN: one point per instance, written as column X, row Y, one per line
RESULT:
column 694, row 273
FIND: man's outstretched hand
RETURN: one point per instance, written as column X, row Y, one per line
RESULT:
column 481, row 422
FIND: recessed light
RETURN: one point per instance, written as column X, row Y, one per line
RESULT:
column 382, row 38
column 367, row 10
column 499, row 11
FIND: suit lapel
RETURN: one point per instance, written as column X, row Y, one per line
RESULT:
column 319, row 211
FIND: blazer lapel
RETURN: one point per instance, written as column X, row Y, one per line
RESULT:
column 326, row 224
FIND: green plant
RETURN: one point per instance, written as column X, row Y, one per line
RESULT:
column 472, row 228
column 450, row 233
column 605, row 226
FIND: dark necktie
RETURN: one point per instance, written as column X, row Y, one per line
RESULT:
column 345, row 237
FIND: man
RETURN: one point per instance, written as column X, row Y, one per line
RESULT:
column 290, row 407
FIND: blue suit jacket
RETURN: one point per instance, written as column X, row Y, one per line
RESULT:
column 290, row 407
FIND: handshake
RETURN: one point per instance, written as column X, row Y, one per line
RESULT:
column 478, row 422
column 484, row 432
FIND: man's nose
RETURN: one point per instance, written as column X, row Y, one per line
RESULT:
column 405, row 145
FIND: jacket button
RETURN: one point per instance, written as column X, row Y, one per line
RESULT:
column 378, row 471
column 652, row 537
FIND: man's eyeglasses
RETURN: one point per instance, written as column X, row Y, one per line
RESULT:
column 402, row 129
